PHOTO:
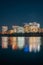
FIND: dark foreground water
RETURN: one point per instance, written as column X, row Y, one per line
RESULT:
column 19, row 56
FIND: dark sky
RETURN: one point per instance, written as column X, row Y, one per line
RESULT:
column 20, row 11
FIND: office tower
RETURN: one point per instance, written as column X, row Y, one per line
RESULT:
column 26, row 28
column 4, row 39
column 34, row 42
column 21, row 40
column 34, row 27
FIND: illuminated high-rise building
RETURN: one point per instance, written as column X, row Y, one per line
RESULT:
column 34, row 27
column 34, row 42
column 20, row 40
column 26, row 28
column 4, row 39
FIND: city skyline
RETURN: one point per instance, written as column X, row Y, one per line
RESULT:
column 32, row 42
column 24, row 27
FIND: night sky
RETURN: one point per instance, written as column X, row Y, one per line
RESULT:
column 19, row 12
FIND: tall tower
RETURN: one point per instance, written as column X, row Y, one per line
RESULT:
column 34, row 42
column 4, row 39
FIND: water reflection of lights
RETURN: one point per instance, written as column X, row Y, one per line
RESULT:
column 26, row 49
column 34, row 43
